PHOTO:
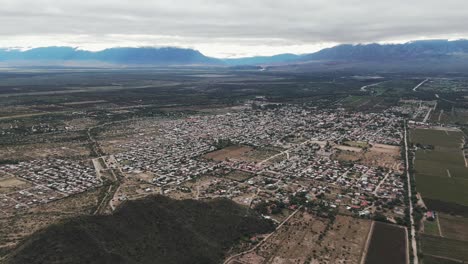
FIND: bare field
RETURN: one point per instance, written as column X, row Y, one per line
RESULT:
column 43, row 150
column 231, row 152
column 386, row 156
column 12, row 184
column 348, row 148
column 305, row 239
column 14, row 228
column 238, row 175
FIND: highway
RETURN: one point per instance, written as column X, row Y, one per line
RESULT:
column 419, row 85
column 413, row 231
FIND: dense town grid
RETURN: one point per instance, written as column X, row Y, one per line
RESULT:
column 175, row 155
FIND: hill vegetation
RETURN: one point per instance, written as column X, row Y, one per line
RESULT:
column 152, row 230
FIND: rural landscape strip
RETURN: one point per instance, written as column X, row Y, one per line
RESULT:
column 414, row 248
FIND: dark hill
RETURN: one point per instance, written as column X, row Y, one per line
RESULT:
column 152, row 230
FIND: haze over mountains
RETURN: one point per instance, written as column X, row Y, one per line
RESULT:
column 146, row 56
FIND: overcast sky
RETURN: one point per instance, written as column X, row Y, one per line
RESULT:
column 230, row 28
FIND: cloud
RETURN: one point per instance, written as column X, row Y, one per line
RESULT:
column 228, row 28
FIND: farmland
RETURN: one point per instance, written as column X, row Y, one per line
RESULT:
column 444, row 247
column 439, row 165
column 431, row 228
column 454, row 227
column 387, row 245
column 434, row 260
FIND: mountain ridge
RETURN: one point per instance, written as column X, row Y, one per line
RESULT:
column 167, row 56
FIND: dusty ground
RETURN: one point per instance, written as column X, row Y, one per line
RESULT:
column 15, row 227
column 46, row 150
column 238, row 175
column 386, row 156
column 348, row 148
column 300, row 241
column 231, row 152
column 10, row 184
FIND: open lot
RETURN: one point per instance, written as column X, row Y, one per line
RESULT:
column 386, row 156
column 307, row 239
column 231, row 152
column 12, row 184
column 238, row 175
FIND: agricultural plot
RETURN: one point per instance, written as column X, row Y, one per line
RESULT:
column 363, row 103
column 431, row 228
column 434, row 260
column 394, row 87
column 450, row 116
column 437, row 137
column 441, row 247
column 445, row 85
column 387, row 245
column 454, row 227
column 440, row 172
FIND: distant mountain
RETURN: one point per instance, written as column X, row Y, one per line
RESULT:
column 125, row 56
column 156, row 230
column 425, row 49
column 260, row 60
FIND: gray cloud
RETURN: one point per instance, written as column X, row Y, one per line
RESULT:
column 240, row 24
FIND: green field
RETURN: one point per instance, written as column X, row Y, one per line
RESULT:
column 441, row 173
column 445, row 247
column 431, row 228
column 438, row 138
column 434, row 260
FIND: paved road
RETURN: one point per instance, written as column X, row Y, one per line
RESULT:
column 413, row 231
column 364, row 88
column 382, row 181
column 419, row 85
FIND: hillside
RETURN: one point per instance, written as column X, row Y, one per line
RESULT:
column 152, row 230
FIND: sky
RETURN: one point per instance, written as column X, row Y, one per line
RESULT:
column 230, row 28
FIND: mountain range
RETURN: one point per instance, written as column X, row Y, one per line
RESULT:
column 149, row 56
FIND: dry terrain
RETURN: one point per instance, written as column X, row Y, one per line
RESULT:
column 15, row 227
column 306, row 238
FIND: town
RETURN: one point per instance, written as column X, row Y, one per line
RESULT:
column 269, row 154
